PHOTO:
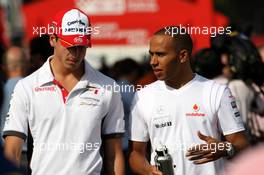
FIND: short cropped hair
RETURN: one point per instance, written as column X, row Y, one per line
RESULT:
column 182, row 39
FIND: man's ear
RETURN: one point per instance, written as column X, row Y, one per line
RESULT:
column 183, row 56
column 53, row 40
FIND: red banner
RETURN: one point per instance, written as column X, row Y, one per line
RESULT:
column 130, row 22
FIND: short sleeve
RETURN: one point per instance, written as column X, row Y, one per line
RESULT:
column 16, row 123
column 113, row 123
column 229, row 117
column 138, row 130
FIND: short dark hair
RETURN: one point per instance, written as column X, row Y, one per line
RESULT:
column 182, row 39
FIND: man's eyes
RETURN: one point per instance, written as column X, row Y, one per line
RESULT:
column 160, row 54
column 157, row 54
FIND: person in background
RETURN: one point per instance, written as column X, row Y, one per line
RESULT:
column 6, row 167
column 126, row 72
column 14, row 64
column 39, row 51
column 245, row 70
column 261, row 51
column 207, row 62
column 15, row 67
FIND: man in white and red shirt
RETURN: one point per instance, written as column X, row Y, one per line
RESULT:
column 183, row 111
column 70, row 108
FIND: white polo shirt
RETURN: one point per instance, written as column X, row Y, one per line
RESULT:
column 67, row 135
column 173, row 117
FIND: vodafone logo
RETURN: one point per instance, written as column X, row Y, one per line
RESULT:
column 195, row 112
column 196, row 108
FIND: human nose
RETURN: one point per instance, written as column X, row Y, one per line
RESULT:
column 153, row 60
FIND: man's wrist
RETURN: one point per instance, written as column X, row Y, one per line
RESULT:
column 230, row 150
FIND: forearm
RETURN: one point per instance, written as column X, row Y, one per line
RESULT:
column 115, row 165
column 113, row 157
column 139, row 163
column 119, row 166
column 13, row 156
column 242, row 144
column 12, row 150
column 239, row 142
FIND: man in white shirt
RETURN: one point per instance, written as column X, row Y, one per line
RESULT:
column 183, row 111
column 70, row 108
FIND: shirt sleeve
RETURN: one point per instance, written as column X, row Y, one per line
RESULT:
column 229, row 117
column 138, row 130
column 16, row 123
column 113, row 123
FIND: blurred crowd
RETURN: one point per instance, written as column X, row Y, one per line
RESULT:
column 232, row 59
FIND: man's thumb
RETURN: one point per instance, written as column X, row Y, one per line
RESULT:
column 203, row 137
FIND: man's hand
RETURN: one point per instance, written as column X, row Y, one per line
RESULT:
column 154, row 171
column 137, row 159
column 210, row 151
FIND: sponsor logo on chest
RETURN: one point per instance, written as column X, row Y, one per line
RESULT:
column 163, row 120
column 90, row 96
column 162, row 125
column 196, row 112
column 46, row 88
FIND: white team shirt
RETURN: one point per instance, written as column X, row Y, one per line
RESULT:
column 173, row 117
column 244, row 96
column 67, row 136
